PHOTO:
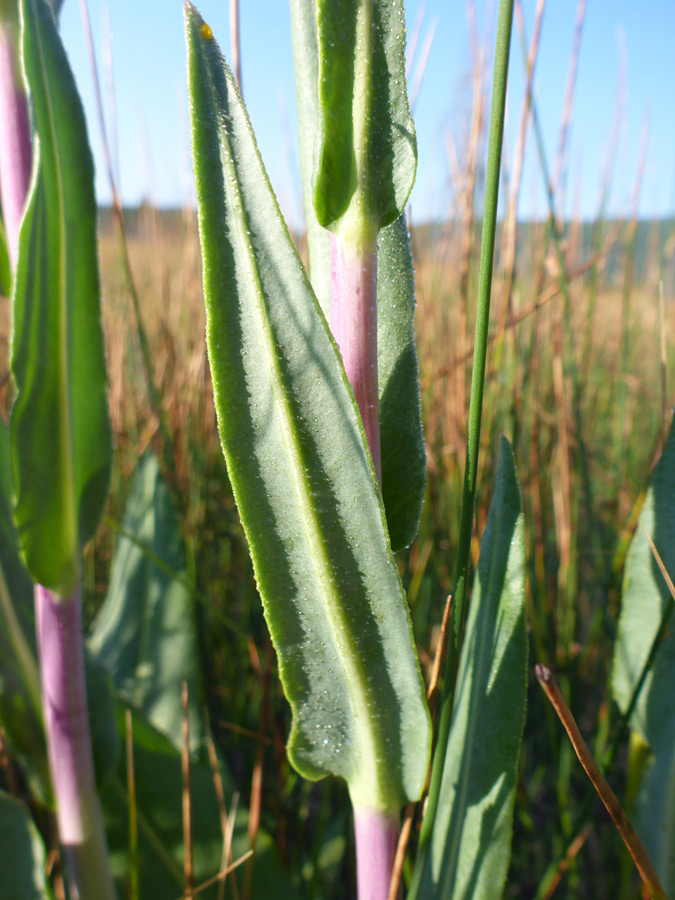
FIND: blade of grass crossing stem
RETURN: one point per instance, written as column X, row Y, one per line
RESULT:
column 471, row 841
column 401, row 436
column 60, row 432
column 301, row 474
column 459, row 608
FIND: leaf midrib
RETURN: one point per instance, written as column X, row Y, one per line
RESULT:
column 367, row 739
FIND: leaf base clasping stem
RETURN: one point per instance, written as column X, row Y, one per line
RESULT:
column 64, row 701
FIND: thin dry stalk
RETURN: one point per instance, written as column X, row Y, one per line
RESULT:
column 255, row 805
column 467, row 235
column 422, row 64
column 544, row 298
column 134, row 887
column 226, row 856
column 606, row 794
column 510, row 225
column 220, row 877
column 568, row 105
column 663, row 363
column 187, row 796
column 561, row 488
column 414, row 39
column 235, row 42
column 568, row 859
column 623, row 419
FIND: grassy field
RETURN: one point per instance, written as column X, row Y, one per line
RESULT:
column 579, row 381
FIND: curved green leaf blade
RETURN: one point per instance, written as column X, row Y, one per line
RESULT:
column 301, row 473
column 645, row 599
column 22, row 853
column 145, row 632
column 404, row 459
column 471, row 841
column 366, row 154
column 60, row 433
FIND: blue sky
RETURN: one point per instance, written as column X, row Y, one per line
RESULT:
column 148, row 73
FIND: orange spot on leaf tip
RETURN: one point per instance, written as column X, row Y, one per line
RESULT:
column 205, row 31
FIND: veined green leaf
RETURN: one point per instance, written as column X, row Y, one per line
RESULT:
column 145, row 632
column 471, row 841
column 300, row 470
column 402, row 439
column 645, row 599
column 22, row 853
column 367, row 153
column 60, row 433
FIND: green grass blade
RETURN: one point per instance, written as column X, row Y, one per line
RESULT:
column 300, row 470
column 367, row 152
column 459, row 608
column 60, row 433
column 471, row 841
column 645, row 602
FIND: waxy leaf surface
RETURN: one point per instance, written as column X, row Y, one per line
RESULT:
column 645, row 599
column 60, row 433
column 300, row 470
column 471, row 841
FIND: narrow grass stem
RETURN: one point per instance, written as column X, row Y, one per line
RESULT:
column 353, row 320
column 376, row 839
column 64, row 699
column 460, row 606
column 15, row 140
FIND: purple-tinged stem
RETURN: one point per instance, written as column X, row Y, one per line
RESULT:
column 353, row 321
column 376, row 839
column 15, row 138
column 64, row 701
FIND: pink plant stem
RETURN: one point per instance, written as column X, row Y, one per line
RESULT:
column 64, row 701
column 376, row 839
column 353, row 321
column 15, row 138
